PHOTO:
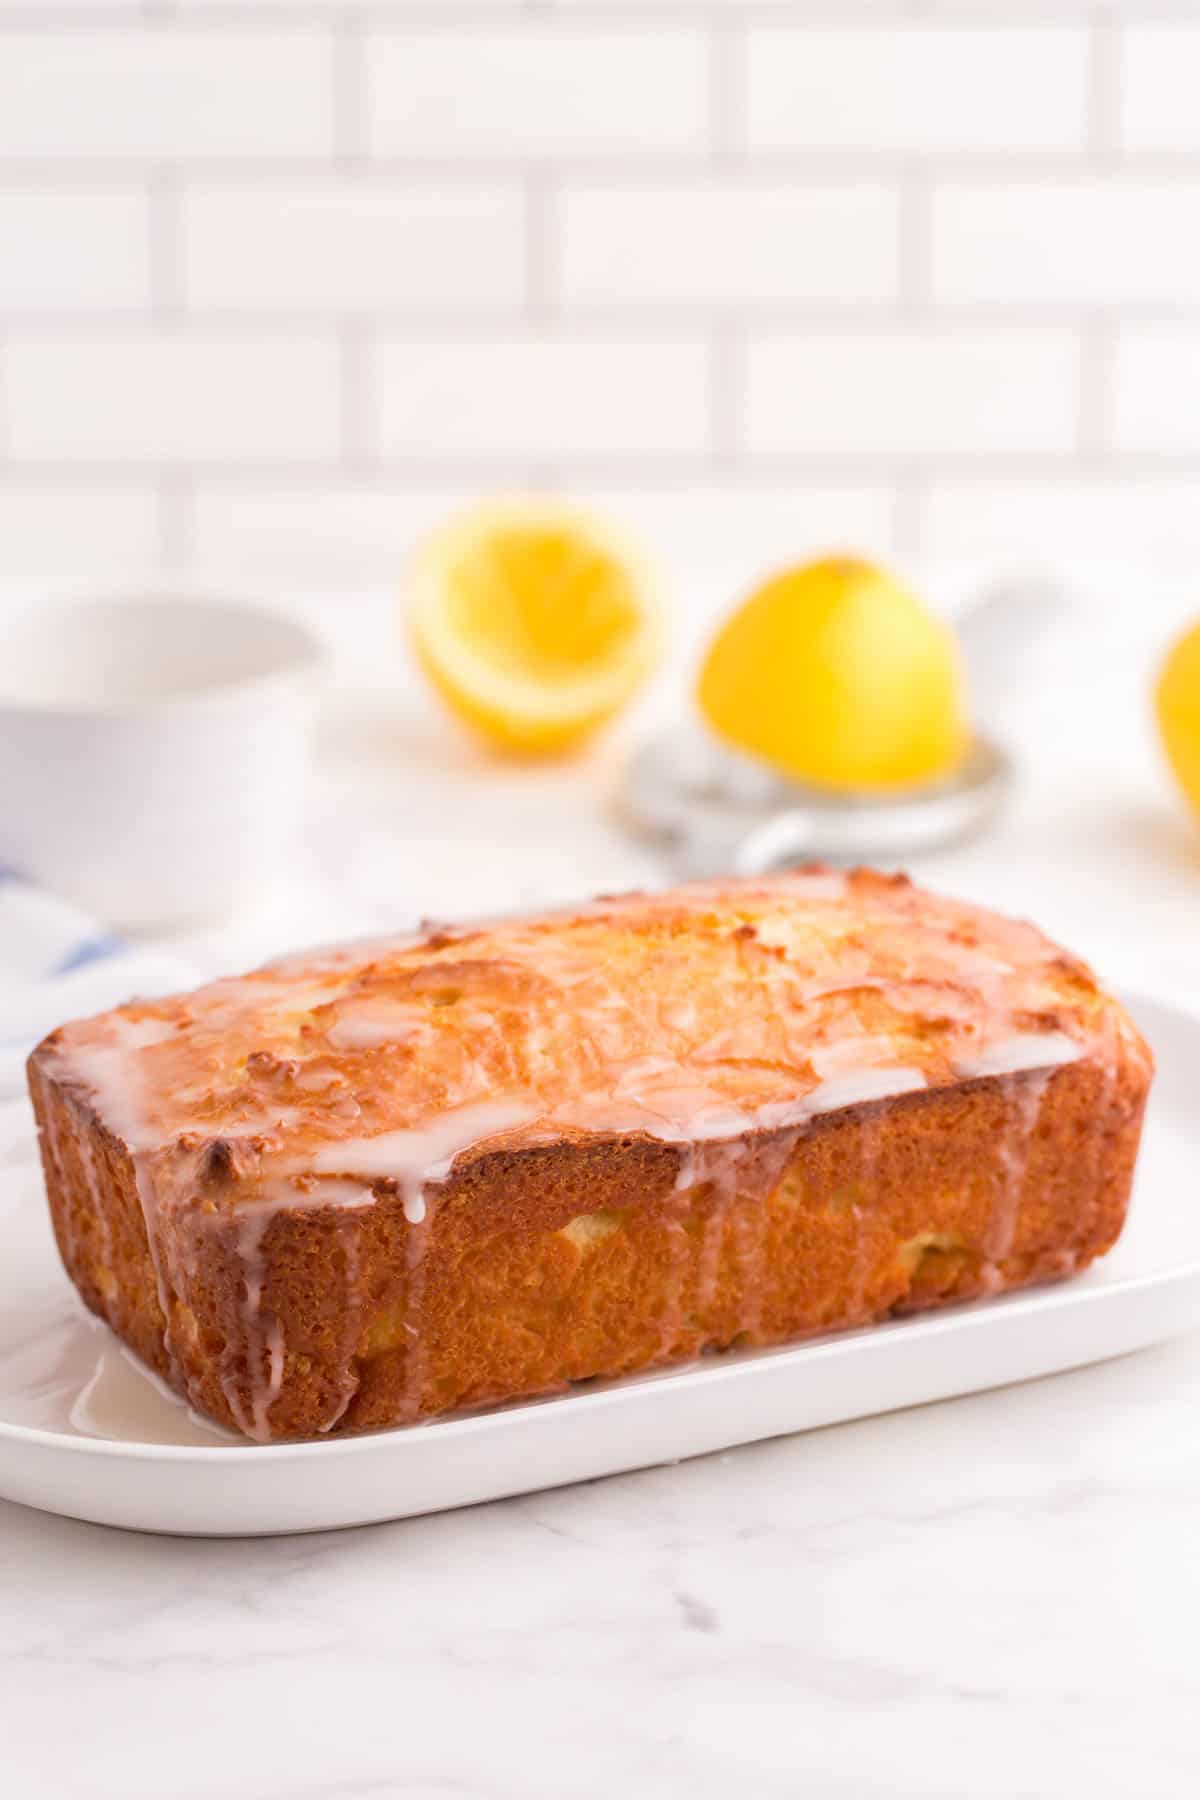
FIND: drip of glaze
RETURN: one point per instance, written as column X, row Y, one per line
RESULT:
column 74, row 1378
column 260, row 1351
column 1108, row 1085
column 415, row 1159
column 97, row 1208
column 712, row 1169
column 100, row 1060
column 736, row 1178
column 109, row 1068
column 418, row 1162
column 115, row 1400
column 352, row 1316
column 416, row 1352
column 54, row 1148
column 257, row 1357
column 679, row 1245
column 1023, row 1096
column 148, row 1201
column 870, row 1134
column 771, row 1159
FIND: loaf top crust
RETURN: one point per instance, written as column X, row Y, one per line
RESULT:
column 700, row 1013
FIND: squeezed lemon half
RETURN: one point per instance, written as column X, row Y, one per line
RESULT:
column 534, row 620
column 1177, row 703
column 839, row 677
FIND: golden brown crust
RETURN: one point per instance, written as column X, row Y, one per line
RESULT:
column 550, row 1257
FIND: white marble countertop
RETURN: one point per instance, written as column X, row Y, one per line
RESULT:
column 994, row 1596
column 990, row 1597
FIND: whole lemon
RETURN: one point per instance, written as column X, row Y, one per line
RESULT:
column 839, row 677
column 1177, row 702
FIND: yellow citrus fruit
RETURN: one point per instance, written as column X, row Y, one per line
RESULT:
column 1177, row 701
column 535, row 621
column 840, row 678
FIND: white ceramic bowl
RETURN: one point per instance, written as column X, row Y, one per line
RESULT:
column 153, row 752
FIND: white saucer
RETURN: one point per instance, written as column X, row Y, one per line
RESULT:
column 85, row 1431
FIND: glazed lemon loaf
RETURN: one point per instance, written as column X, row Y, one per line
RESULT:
column 368, row 1185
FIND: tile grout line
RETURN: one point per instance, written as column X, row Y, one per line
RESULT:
column 639, row 322
column 1097, row 379
column 799, row 14
column 162, row 194
column 727, row 76
column 348, row 74
column 357, row 423
column 1019, row 169
column 542, row 228
column 174, row 498
column 669, row 476
column 727, row 376
column 909, row 494
column 915, row 246
column 1104, row 87
column 631, row 16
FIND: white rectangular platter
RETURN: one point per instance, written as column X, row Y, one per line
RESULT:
column 86, row 1432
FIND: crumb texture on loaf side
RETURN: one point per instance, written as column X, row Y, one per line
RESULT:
column 371, row 1184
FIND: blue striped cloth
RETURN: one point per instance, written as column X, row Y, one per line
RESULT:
column 56, row 963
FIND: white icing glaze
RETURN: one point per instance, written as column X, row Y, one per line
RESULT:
column 262, row 1340
column 854, row 1051
column 1020, row 1051
column 1024, row 1091
column 110, row 1070
column 679, row 1016
column 696, row 1115
column 857, row 1086
column 148, row 1201
column 284, row 1195
column 366, row 1028
column 76, row 1379
column 414, row 1159
column 115, row 1402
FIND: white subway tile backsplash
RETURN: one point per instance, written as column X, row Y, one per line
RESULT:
column 732, row 533
column 71, row 250
column 73, row 530
column 1093, row 241
column 529, row 89
column 716, row 538
column 728, row 242
column 543, row 395
column 1157, row 389
column 1159, row 87
column 335, row 263
column 916, row 87
column 1121, row 513
column 912, row 392
column 336, row 244
column 126, row 396
column 364, row 529
column 126, row 91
